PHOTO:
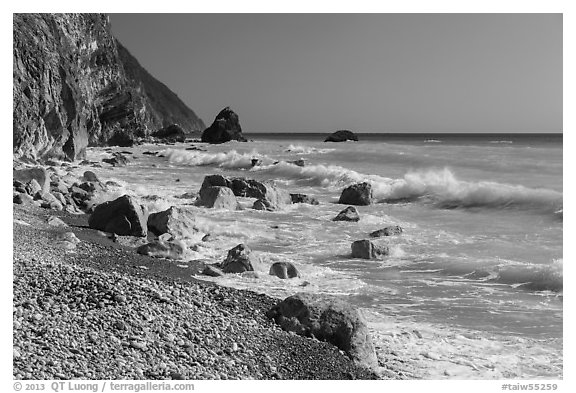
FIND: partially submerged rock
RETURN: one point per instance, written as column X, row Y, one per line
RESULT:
column 238, row 260
column 122, row 216
column 348, row 214
column 284, row 270
column 388, row 231
column 365, row 249
column 341, row 136
column 303, row 198
column 330, row 320
column 118, row 159
column 217, row 197
column 359, row 194
column 226, row 127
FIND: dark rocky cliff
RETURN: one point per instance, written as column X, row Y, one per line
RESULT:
column 72, row 88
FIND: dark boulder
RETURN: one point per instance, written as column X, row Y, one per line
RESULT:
column 388, row 231
column 91, row 177
column 262, row 204
column 172, row 133
column 365, row 249
column 226, row 127
column 122, row 216
column 327, row 319
column 237, row 260
column 359, row 194
column 284, row 270
column 348, row 214
column 341, row 136
column 303, row 198
column 121, row 139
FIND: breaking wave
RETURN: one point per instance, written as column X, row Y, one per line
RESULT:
column 230, row 159
column 439, row 187
column 534, row 277
column 300, row 149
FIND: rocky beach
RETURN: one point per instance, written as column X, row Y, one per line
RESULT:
column 147, row 245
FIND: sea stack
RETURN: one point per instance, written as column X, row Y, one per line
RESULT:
column 226, row 127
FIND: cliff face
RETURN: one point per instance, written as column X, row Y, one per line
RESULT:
column 71, row 88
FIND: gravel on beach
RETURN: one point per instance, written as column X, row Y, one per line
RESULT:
column 98, row 310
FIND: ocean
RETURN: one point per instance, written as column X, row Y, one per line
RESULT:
column 473, row 287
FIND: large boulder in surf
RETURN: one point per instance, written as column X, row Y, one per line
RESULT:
column 272, row 197
column 388, row 231
column 172, row 133
column 365, row 249
column 238, row 260
column 122, row 216
column 284, row 270
column 38, row 174
column 341, row 136
column 359, row 194
column 218, row 197
column 226, row 127
column 177, row 221
column 327, row 319
column 348, row 214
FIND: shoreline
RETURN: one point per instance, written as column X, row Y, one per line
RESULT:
column 263, row 350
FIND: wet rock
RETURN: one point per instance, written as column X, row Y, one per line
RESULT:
column 348, row 214
column 237, row 260
column 122, row 216
column 90, row 176
column 56, row 222
column 388, row 231
column 365, row 249
column 262, row 204
column 284, row 270
column 341, row 136
column 330, row 320
column 303, row 198
column 357, row 194
column 226, row 127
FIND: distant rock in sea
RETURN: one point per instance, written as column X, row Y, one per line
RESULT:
column 341, row 136
column 226, row 127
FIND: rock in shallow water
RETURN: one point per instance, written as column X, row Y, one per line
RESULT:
column 237, row 260
column 365, row 249
column 284, row 270
column 388, row 231
column 177, row 221
column 218, row 198
column 359, row 194
column 226, row 127
column 348, row 214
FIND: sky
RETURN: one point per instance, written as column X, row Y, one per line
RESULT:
column 363, row 72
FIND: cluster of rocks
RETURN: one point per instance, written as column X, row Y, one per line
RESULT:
column 361, row 194
column 56, row 188
column 218, row 191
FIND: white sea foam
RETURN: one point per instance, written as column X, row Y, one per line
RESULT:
column 230, row 159
column 302, row 149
